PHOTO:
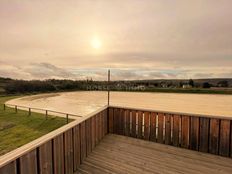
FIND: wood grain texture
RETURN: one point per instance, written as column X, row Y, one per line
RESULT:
column 58, row 154
column 9, row 168
column 133, row 131
column 153, row 127
column 185, row 131
column 140, row 125
column 194, row 133
column 127, row 123
column 224, row 146
column 76, row 147
column 168, row 129
column 204, row 135
column 111, row 120
column 83, row 141
column 45, row 158
column 214, row 136
column 93, row 129
column 160, row 128
column 176, row 129
column 147, row 125
column 68, row 151
column 28, row 163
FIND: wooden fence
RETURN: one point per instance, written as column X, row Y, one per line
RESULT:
column 209, row 134
column 60, row 151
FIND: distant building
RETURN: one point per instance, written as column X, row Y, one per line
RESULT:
column 187, row 86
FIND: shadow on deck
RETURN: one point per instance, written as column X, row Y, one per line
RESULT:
column 120, row 154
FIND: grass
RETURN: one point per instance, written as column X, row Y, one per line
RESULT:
column 17, row 129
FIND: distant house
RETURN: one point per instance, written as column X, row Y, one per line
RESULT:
column 187, row 86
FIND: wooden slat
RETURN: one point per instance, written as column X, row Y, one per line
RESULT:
column 140, row 124
column 97, row 129
column 224, row 146
column 168, row 129
column 214, row 136
column 111, row 120
column 204, row 135
column 105, row 122
column 58, row 152
column 127, row 124
column 115, row 120
column 146, row 125
column 88, row 136
column 160, row 127
column 153, row 127
column 176, row 129
column 194, row 133
column 93, row 129
column 76, row 147
column 83, row 141
column 68, row 151
column 185, row 131
column 28, row 163
column 9, row 168
column 133, row 133
column 45, row 158
column 121, row 122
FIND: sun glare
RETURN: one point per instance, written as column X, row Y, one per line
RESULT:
column 96, row 43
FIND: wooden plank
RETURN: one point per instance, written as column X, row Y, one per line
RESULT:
column 105, row 121
column 185, row 131
column 96, row 130
column 28, row 163
column 194, row 133
column 58, row 154
column 88, row 136
column 83, row 141
column 204, row 135
column 168, row 129
column 45, row 158
column 140, row 124
column 9, row 168
column 214, row 136
column 160, row 127
column 153, row 127
column 111, row 120
column 224, row 146
column 99, row 127
column 93, row 129
column 176, row 130
column 115, row 121
column 76, row 147
column 133, row 131
column 121, row 122
column 146, row 125
column 68, row 151
column 127, row 124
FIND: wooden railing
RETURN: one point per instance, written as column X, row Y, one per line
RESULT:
column 209, row 134
column 60, row 151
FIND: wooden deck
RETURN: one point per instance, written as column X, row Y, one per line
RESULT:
column 120, row 154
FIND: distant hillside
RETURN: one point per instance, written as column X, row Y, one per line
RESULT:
column 3, row 83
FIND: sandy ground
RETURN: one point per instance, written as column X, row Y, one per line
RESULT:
column 83, row 103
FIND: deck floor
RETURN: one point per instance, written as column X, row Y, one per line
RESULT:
column 120, row 154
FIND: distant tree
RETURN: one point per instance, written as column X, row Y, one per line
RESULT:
column 223, row 83
column 191, row 82
column 206, row 85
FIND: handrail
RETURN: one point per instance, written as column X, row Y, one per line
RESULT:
column 173, row 113
column 13, row 155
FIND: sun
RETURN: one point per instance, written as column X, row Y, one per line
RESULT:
column 96, row 43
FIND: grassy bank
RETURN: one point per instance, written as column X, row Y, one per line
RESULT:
column 17, row 129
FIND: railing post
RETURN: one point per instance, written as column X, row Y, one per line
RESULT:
column 66, row 118
column 46, row 114
column 16, row 109
column 108, row 87
column 29, row 113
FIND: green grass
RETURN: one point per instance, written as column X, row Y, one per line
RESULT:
column 17, row 129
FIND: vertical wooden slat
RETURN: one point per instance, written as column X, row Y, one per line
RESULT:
column 140, row 124
column 176, row 128
column 83, row 142
column 115, row 121
column 167, row 129
column 58, row 152
column 185, row 131
column 96, row 129
column 160, row 127
column 9, row 168
column 68, row 151
column 99, row 126
column 146, row 125
column 153, row 127
column 127, row 124
column 76, row 147
column 224, row 146
column 111, row 120
column 45, row 158
column 88, row 137
column 28, row 163
column 214, row 136
column 204, row 135
column 121, row 122
column 105, row 121
column 133, row 133
column 93, row 129
column 194, row 133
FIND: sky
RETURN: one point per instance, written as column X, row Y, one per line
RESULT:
column 136, row 39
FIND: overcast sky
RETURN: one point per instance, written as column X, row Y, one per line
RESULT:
column 140, row 39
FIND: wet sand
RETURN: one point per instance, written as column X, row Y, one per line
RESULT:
column 83, row 103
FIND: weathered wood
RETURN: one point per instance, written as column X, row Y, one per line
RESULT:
column 28, row 163
column 168, row 129
column 204, row 135
column 146, row 125
column 99, row 127
column 93, row 129
column 115, row 120
column 224, row 146
column 185, row 131
column 9, row 168
column 133, row 132
column 153, row 127
column 160, row 128
column 194, row 133
column 105, row 121
column 58, row 154
column 83, row 141
column 111, row 120
column 68, row 151
column 121, row 122
column 96, row 129
column 127, row 124
column 76, row 147
column 88, row 136
column 176, row 130
column 45, row 158
column 140, row 124
column 214, row 136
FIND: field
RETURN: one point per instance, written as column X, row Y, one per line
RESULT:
column 17, row 129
